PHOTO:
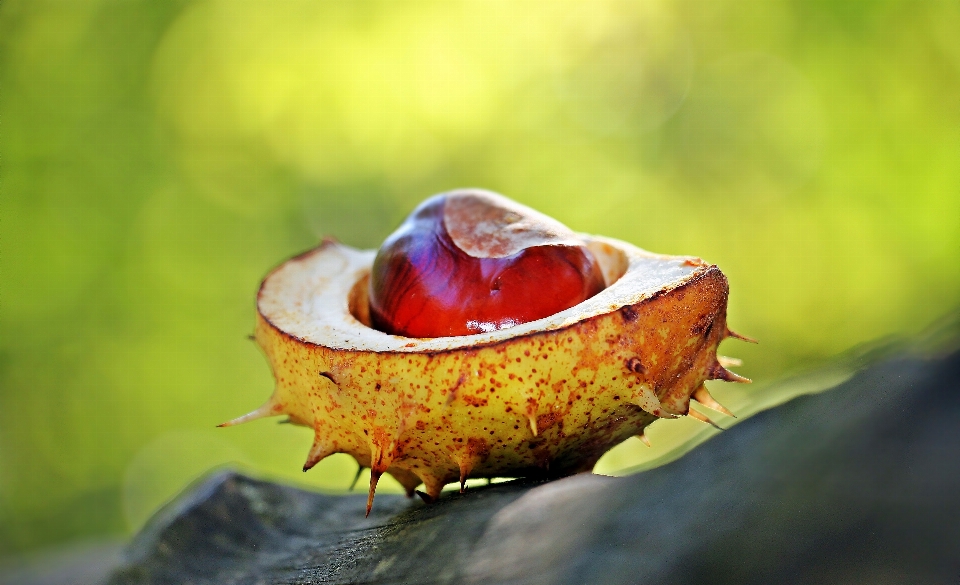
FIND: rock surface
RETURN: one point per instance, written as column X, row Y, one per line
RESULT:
column 857, row 484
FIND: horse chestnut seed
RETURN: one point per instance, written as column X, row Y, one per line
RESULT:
column 472, row 261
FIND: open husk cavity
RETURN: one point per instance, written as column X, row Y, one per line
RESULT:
column 546, row 398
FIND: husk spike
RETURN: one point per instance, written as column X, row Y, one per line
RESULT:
column 703, row 418
column 374, row 478
column 320, row 450
column 729, row 362
column 646, row 398
column 266, row 410
column 702, row 395
column 718, row 372
column 432, row 485
column 735, row 335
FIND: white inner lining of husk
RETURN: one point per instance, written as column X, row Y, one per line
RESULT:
column 308, row 297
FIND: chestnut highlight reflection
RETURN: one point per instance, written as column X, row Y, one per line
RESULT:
column 471, row 261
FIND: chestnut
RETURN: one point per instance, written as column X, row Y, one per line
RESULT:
column 471, row 262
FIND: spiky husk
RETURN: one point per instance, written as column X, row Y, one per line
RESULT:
column 548, row 403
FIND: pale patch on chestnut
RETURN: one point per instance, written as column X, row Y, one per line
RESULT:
column 488, row 225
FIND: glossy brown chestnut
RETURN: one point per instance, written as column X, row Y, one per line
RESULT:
column 471, row 261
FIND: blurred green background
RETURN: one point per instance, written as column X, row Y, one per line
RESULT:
column 158, row 158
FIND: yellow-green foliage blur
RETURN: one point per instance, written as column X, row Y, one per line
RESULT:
column 158, row 158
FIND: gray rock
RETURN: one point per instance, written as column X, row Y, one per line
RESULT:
column 857, row 484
